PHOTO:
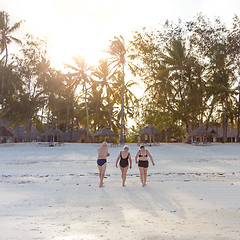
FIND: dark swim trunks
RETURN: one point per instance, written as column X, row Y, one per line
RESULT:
column 100, row 162
column 143, row 164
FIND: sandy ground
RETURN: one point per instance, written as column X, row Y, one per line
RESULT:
column 52, row 193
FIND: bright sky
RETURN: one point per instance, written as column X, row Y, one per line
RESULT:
column 86, row 26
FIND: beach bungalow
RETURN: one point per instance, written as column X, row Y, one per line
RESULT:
column 52, row 135
column 5, row 135
column 22, row 133
column 149, row 131
column 213, row 134
column 107, row 135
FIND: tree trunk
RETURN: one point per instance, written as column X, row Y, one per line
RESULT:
column 122, row 110
column 4, row 68
column 86, row 106
column 238, row 116
column 185, row 103
column 225, row 125
column 29, row 129
column 67, row 127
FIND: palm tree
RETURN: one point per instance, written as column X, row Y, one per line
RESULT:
column 117, row 51
column 98, row 112
column 6, row 38
column 176, row 60
column 129, row 97
column 83, row 76
column 104, row 73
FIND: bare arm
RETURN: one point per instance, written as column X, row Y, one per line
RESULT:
column 130, row 160
column 151, row 158
column 136, row 157
column 117, row 160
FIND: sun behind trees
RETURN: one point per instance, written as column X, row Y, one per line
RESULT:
column 190, row 73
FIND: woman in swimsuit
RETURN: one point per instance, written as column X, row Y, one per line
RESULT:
column 102, row 161
column 124, row 156
column 143, row 155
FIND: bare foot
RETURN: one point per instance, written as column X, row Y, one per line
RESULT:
column 101, row 184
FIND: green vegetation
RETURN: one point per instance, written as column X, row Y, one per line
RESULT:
column 190, row 73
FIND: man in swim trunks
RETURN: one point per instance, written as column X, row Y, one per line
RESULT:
column 124, row 156
column 102, row 161
column 143, row 155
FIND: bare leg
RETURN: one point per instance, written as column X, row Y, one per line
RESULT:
column 124, row 174
column 100, row 173
column 141, row 169
column 102, row 170
column 145, row 177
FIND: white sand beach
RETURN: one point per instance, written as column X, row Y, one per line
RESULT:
column 193, row 192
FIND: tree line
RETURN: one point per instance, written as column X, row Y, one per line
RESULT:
column 35, row 93
column 189, row 71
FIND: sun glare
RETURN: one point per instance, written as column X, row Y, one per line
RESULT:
column 69, row 41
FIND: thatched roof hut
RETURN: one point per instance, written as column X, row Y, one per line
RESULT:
column 22, row 132
column 149, row 130
column 201, row 131
column 53, row 134
column 4, row 132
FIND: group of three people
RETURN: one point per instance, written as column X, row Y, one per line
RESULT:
column 124, row 156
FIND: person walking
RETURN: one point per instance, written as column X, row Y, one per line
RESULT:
column 146, row 139
column 125, row 159
column 139, row 140
column 143, row 155
column 102, row 161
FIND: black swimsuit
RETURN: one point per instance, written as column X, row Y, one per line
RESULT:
column 143, row 163
column 124, row 161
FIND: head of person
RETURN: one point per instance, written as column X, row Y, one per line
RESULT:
column 142, row 147
column 126, row 148
column 104, row 144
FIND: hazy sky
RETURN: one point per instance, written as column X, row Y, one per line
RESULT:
column 86, row 26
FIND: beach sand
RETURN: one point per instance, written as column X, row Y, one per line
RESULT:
column 52, row 193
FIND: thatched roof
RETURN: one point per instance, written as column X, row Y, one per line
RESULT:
column 201, row 131
column 53, row 132
column 105, row 132
column 22, row 132
column 4, row 132
column 150, row 129
column 213, row 132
